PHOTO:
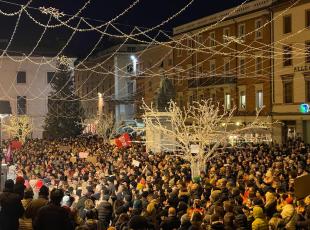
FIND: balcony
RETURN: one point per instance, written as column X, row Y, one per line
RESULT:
column 210, row 81
column 126, row 99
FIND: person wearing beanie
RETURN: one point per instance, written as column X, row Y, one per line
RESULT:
column 260, row 223
column 32, row 209
column 53, row 216
column 105, row 211
column 11, row 207
column 171, row 222
column 19, row 186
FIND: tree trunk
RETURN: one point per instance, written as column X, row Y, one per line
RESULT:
column 197, row 166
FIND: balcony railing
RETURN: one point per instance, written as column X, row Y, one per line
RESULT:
column 207, row 81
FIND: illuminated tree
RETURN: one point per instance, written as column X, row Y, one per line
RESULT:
column 19, row 127
column 203, row 125
column 103, row 125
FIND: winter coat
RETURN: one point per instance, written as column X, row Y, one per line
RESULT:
column 51, row 217
column 11, row 209
column 105, row 211
column 80, row 204
column 25, row 223
column 289, row 216
column 260, row 223
column 170, row 223
column 305, row 224
column 34, row 206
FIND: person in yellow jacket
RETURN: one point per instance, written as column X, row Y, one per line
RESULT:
column 260, row 222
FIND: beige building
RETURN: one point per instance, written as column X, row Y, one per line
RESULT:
column 110, row 73
column 27, row 86
column 291, row 68
column 154, row 65
column 229, row 61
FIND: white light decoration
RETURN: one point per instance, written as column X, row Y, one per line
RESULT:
column 51, row 11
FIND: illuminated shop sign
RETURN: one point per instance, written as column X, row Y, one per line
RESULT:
column 304, row 108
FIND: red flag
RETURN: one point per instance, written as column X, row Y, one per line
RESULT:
column 123, row 141
column 16, row 145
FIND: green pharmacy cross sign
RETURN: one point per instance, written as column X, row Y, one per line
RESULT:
column 304, row 108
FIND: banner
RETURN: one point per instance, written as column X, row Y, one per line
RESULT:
column 83, row 154
column 301, row 186
column 135, row 163
column 123, row 141
column 92, row 159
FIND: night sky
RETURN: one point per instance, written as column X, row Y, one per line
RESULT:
column 147, row 13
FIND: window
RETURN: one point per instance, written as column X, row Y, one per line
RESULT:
column 259, row 99
column 190, row 100
column 21, row 105
column 241, row 66
column 228, row 101
column 258, row 65
column 226, row 33
column 199, row 39
column 241, row 30
column 242, row 100
column 288, row 91
column 307, row 51
column 212, row 67
column 212, row 39
column 150, row 86
column 307, row 18
column 189, row 47
column 287, row 55
column 50, row 76
column 180, row 99
column 258, row 29
column 130, row 68
column 199, row 70
column 131, row 49
column 21, row 77
column 307, row 84
column 287, row 24
column 130, row 87
column 226, row 66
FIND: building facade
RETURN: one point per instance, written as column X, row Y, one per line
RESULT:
column 27, row 86
column 291, row 66
column 154, row 66
column 111, row 74
column 227, row 57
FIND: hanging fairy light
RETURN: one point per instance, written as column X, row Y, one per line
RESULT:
column 51, row 11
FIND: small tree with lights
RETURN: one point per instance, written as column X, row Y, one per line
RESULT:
column 103, row 125
column 205, row 125
column 19, row 126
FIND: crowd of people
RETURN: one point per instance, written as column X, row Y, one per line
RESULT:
column 243, row 188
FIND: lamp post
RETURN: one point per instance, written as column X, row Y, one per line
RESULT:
column 5, row 110
column 100, row 104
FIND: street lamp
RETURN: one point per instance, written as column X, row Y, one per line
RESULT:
column 134, row 63
column 5, row 110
